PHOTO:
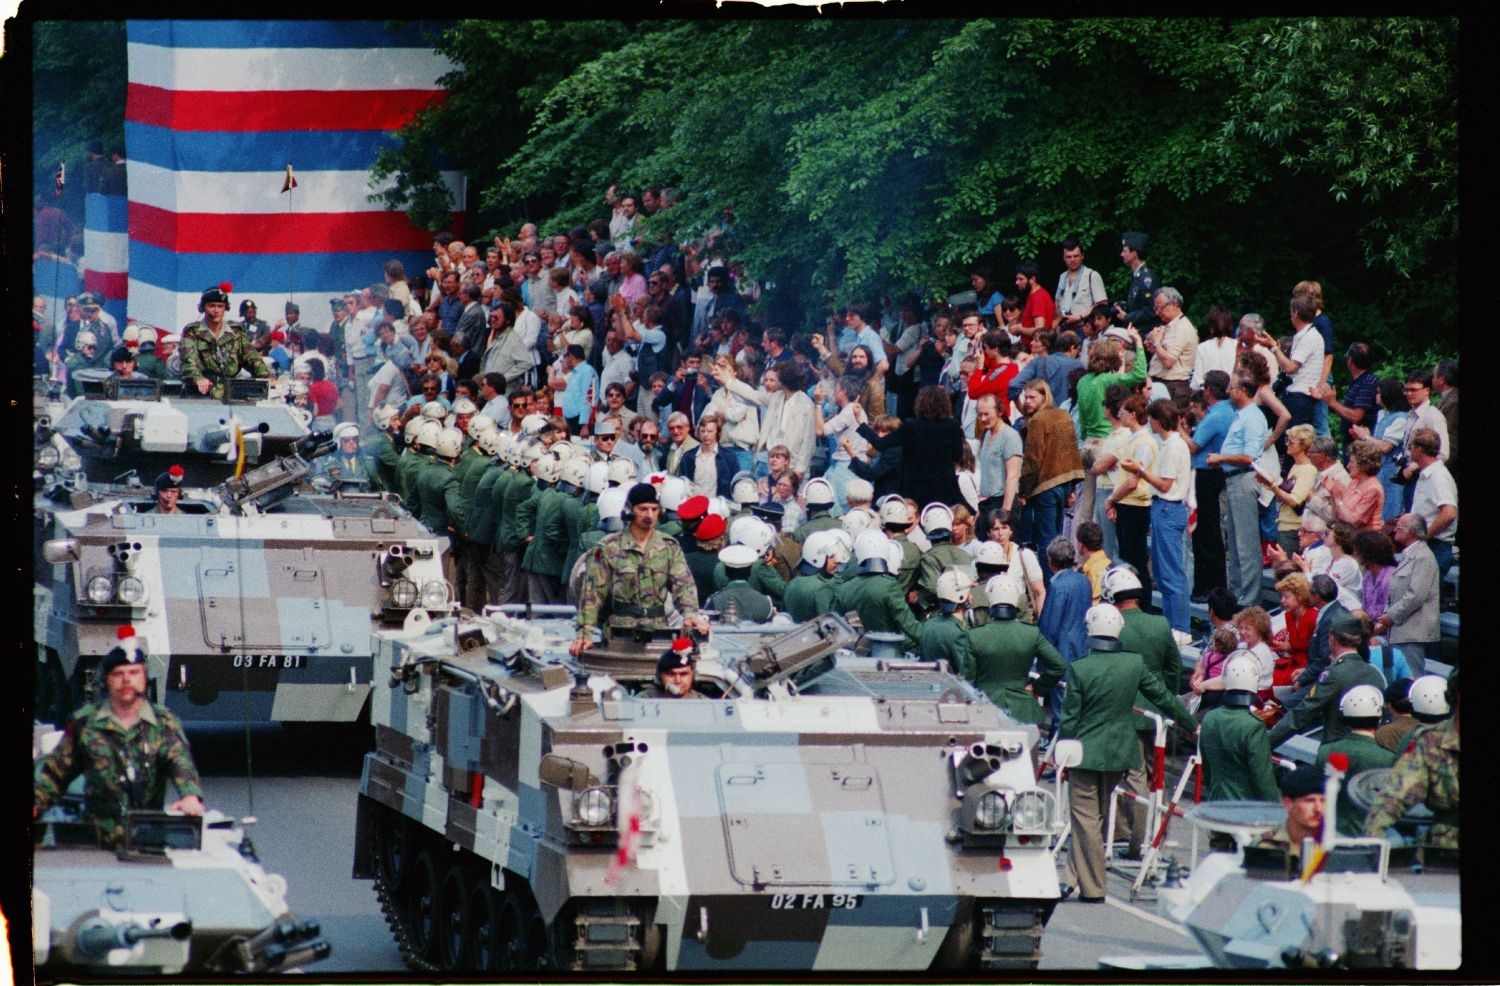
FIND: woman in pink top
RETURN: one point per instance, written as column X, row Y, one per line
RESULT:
column 1361, row 501
column 634, row 285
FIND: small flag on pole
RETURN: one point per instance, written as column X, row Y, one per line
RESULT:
column 629, row 831
column 60, row 179
column 291, row 180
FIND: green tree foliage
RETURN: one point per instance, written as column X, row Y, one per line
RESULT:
column 78, row 78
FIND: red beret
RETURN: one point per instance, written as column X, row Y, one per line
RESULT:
column 710, row 527
column 692, row 508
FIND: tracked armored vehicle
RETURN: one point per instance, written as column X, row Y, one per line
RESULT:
column 527, row 811
column 254, row 600
column 185, row 895
column 147, row 425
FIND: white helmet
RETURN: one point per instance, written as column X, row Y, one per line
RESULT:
column 1362, row 702
column 818, row 493
column 612, row 508
column 858, row 520
column 532, row 453
column 488, row 442
column 533, row 424
column 990, row 553
column 384, row 414
column 1242, row 672
column 753, row 533
column 409, row 433
column 840, row 543
column 815, row 549
column 480, row 424
column 936, row 517
column 299, row 388
column 575, row 472
column 745, row 492
column 597, row 480
column 1103, row 620
column 674, row 489
column 621, row 472
column 449, row 443
column 346, row 430
column 427, row 434
column 1003, row 590
column 503, row 442
column 870, row 548
column 722, row 507
column 859, row 490
column 132, row 333
column 1428, row 696
column 465, row 406
column 85, row 338
column 894, row 511
column 954, row 587
column 894, row 556
column 1118, row 579
column 564, row 449
column 548, row 468
column 434, row 411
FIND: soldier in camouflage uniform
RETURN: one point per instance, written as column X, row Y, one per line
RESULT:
column 630, row 575
column 126, row 748
column 1426, row 771
column 215, row 349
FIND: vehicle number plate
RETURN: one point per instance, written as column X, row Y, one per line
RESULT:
column 815, row 902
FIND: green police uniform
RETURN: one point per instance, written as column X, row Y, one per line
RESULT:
column 1427, row 772
column 946, row 638
column 808, row 596
column 1364, row 754
column 881, row 606
column 625, row 584
column 823, row 522
column 1322, row 699
column 754, row 607
column 1150, row 636
column 517, row 512
column 152, row 365
column 931, row 565
column 1003, row 654
column 381, row 460
column 218, row 359
column 544, row 555
column 1236, row 756
column 97, row 745
column 77, row 362
column 484, row 508
column 345, row 468
column 763, row 578
column 437, row 497
column 407, row 467
column 911, row 560
column 581, row 521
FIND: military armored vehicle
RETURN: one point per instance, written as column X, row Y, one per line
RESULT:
column 147, row 425
column 186, row 894
column 524, row 810
column 254, row 600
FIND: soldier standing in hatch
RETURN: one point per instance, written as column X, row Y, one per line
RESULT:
column 166, row 489
column 126, row 748
column 676, row 671
column 215, row 350
column 630, row 574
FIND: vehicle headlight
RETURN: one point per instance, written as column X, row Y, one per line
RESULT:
column 100, row 590
column 404, row 593
column 648, row 806
column 131, row 591
column 435, row 594
column 594, row 807
column 47, row 457
column 70, row 460
column 990, row 811
column 1032, row 812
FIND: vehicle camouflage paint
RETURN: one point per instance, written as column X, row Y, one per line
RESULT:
column 817, row 811
column 186, row 894
column 254, row 601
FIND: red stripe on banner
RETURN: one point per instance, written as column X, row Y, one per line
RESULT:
column 260, row 233
column 113, row 286
column 302, row 109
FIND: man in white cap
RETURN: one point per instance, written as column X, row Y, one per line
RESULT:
column 748, row 605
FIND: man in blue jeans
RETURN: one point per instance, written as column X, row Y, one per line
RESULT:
column 1242, row 445
column 1051, row 466
column 1168, row 478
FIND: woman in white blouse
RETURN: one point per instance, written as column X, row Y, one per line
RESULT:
column 787, row 413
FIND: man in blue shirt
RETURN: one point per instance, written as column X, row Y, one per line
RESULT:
column 1207, row 438
column 1236, row 458
column 579, row 383
column 858, row 332
column 1069, row 596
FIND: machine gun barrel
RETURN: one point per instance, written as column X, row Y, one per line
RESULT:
column 97, row 938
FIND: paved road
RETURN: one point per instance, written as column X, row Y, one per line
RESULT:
column 305, row 785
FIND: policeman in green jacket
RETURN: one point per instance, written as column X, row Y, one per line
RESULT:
column 1005, row 650
column 420, row 435
column 764, row 577
column 875, row 592
column 818, row 495
column 945, row 634
column 1232, row 742
column 1360, row 708
column 1101, row 688
column 738, row 597
column 542, row 561
column 937, row 524
column 1347, row 667
column 382, row 454
column 813, row 591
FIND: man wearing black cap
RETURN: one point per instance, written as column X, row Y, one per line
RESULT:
column 127, row 749
column 630, row 575
column 214, row 349
column 1302, row 797
column 1138, row 308
column 122, row 364
column 255, row 328
column 167, row 488
column 676, row 670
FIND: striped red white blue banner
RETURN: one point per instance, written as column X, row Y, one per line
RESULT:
column 106, row 251
column 217, row 110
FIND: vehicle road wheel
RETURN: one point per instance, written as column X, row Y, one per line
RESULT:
column 421, row 906
column 485, row 942
column 453, row 929
column 521, row 934
column 392, row 849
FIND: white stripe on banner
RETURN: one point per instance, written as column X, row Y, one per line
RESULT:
column 280, row 69
column 260, row 191
column 108, row 253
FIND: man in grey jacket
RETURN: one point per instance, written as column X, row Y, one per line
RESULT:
column 1411, row 618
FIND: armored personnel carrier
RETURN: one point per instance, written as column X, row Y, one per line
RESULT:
column 254, row 600
column 186, row 894
column 147, row 425
column 524, row 810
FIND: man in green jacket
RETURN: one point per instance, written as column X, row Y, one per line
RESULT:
column 945, row 634
column 1102, row 687
column 1004, row 650
column 1360, row 708
column 875, row 592
column 1232, row 742
column 814, row 589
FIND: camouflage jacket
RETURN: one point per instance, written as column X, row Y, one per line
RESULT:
column 1426, row 771
column 218, row 359
column 627, row 584
column 122, row 768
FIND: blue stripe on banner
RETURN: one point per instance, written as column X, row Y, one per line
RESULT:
column 47, row 274
column 267, row 273
column 199, row 150
column 106, row 213
column 282, row 34
column 117, row 309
